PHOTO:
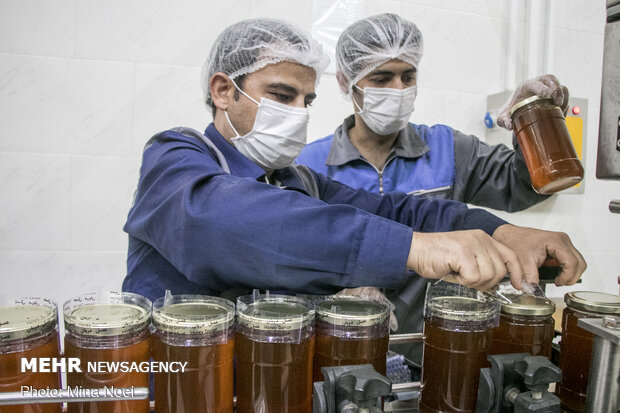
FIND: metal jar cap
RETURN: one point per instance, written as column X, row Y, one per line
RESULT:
column 107, row 314
column 593, row 301
column 274, row 312
column 527, row 101
column 193, row 314
column 27, row 317
column 351, row 311
column 524, row 304
column 462, row 308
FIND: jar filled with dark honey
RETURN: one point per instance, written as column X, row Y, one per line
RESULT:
column 350, row 331
column 550, row 156
column 274, row 345
column 576, row 344
column 105, row 330
column 458, row 330
column 28, row 330
column 196, row 330
column 525, row 326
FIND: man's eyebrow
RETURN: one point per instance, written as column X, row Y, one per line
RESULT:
column 381, row 73
column 283, row 87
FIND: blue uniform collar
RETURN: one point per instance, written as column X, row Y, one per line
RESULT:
column 408, row 144
column 238, row 163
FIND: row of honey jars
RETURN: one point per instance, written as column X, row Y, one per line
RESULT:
column 274, row 344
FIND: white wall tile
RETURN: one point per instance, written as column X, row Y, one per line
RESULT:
column 462, row 111
column 60, row 275
column 329, row 109
column 578, row 63
column 177, row 32
column 65, row 105
column 581, row 15
column 491, row 8
column 101, row 193
column 36, row 27
column 298, row 12
column 35, row 201
column 386, row 6
column 457, row 57
column 166, row 97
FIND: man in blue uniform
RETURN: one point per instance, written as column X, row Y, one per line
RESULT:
column 377, row 149
column 223, row 212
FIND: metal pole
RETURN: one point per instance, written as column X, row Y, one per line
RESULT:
column 603, row 388
column 32, row 396
column 405, row 338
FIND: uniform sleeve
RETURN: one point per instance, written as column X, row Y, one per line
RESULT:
column 420, row 213
column 492, row 175
column 217, row 229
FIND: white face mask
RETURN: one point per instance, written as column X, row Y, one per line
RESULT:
column 386, row 110
column 278, row 136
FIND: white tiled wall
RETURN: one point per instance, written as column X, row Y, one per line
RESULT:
column 83, row 84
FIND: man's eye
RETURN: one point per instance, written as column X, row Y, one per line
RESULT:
column 280, row 97
column 379, row 80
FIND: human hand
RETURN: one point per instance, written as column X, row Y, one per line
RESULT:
column 471, row 258
column 533, row 246
column 372, row 294
column 545, row 86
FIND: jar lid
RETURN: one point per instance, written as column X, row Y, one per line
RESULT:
column 527, row 101
column 351, row 311
column 593, row 301
column 27, row 317
column 524, row 304
column 107, row 314
column 462, row 308
column 274, row 312
column 193, row 314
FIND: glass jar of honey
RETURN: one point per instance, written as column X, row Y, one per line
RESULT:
column 576, row 344
column 350, row 331
column 102, row 331
column 196, row 330
column 458, row 330
column 28, row 330
column 550, row 156
column 274, row 346
column 525, row 326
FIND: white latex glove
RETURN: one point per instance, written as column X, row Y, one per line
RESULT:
column 545, row 86
column 372, row 293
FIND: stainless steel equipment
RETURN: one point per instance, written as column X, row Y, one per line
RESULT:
column 604, row 386
column 608, row 159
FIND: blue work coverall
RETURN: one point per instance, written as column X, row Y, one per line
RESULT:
column 195, row 228
column 432, row 161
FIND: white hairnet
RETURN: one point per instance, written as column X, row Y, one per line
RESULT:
column 370, row 42
column 252, row 44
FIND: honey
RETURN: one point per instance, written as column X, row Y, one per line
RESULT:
column 110, row 327
column 550, row 156
column 576, row 344
column 458, row 330
column 29, row 330
column 525, row 326
column 274, row 346
column 197, row 330
column 350, row 331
